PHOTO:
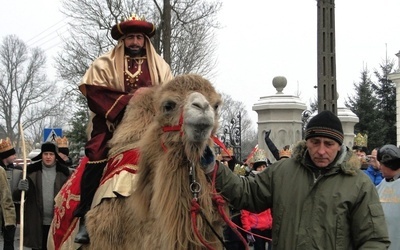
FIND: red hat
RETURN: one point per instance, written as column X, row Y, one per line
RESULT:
column 133, row 24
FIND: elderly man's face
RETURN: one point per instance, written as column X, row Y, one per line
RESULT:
column 322, row 150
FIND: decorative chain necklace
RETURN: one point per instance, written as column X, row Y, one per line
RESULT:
column 132, row 78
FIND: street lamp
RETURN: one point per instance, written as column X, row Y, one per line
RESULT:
column 305, row 117
column 232, row 136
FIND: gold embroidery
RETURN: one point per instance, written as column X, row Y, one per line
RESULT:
column 108, row 111
column 62, row 202
column 132, row 78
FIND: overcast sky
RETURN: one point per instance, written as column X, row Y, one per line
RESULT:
column 259, row 39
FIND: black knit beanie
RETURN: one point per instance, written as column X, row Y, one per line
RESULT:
column 325, row 124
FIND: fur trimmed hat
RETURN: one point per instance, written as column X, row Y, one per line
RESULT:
column 325, row 124
column 48, row 147
column 133, row 24
column 6, row 148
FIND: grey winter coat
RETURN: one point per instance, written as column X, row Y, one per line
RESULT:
column 338, row 210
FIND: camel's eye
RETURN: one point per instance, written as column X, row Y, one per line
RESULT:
column 169, row 106
column 216, row 106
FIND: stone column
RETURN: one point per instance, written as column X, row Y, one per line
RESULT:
column 395, row 77
column 349, row 120
column 282, row 114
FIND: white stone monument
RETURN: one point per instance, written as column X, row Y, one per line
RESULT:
column 282, row 114
column 395, row 77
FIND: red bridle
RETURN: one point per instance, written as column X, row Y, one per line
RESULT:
column 218, row 200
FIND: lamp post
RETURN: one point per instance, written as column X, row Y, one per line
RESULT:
column 232, row 136
column 305, row 117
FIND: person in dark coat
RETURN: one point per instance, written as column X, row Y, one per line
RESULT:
column 44, row 179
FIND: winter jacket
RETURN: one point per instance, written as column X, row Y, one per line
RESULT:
column 6, row 202
column 33, row 213
column 339, row 209
column 13, row 176
column 374, row 174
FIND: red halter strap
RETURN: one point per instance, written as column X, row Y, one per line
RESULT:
column 175, row 127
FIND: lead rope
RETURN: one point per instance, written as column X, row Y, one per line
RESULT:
column 220, row 202
column 195, row 188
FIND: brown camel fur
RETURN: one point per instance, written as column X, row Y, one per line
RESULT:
column 157, row 214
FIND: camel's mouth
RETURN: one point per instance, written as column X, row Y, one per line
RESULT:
column 198, row 132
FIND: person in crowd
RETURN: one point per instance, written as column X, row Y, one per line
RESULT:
column 320, row 199
column 373, row 170
column 9, row 174
column 389, row 191
column 8, row 216
column 270, row 144
column 286, row 152
column 44, row 179
column 362, row 152
column 278, row 154
column 8, row 211
column 108, row 85
column 258, row 223
column 63, row 150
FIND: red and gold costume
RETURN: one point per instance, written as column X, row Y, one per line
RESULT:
column 108, row 85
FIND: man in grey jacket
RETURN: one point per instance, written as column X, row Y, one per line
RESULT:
column 320, row 199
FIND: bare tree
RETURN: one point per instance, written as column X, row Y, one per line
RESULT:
column 26, row 96
column 230, row 110
column 184, row 35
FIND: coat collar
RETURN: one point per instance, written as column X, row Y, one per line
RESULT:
column 37, row 166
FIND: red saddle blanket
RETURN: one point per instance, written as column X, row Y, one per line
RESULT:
column 64, row 225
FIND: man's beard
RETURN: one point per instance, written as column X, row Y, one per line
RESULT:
column 134, row 53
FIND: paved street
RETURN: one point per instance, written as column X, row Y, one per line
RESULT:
column 16, row 241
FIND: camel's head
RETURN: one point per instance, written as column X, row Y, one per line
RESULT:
column 188, row 111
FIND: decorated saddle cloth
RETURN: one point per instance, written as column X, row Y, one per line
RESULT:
column 118, row 180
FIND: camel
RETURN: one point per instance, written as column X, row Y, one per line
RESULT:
column 171, row 125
